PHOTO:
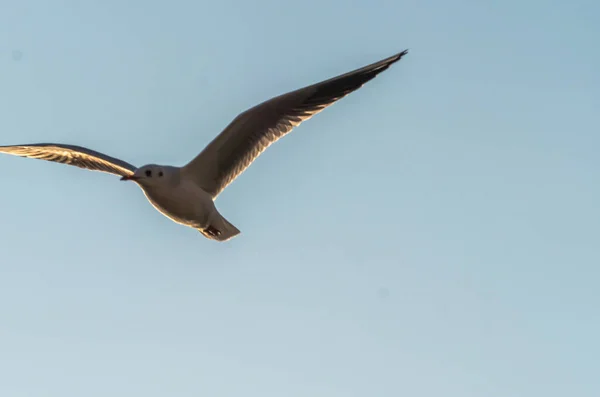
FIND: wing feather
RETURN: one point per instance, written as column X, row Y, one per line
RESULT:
column 71, row 155
column 255, row 129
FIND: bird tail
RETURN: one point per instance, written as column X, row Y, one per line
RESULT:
column 220, row 229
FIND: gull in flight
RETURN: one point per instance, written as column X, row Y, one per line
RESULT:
column 186, row 194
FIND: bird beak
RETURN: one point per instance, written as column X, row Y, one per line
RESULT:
column 129, row 178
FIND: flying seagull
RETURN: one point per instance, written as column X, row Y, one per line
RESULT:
column 186, row 194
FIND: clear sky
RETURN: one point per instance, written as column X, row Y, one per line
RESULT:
column 436, row 233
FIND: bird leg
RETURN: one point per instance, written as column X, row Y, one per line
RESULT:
column 212, row 231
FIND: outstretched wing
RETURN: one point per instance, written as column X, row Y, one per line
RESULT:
column 71, row 155
column 251, row 132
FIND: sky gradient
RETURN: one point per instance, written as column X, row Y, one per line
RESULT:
column 433, row 234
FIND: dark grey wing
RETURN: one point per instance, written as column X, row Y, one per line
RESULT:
column 251, row 132
column 71, row 155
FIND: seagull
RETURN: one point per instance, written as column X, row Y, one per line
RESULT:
column 186, row 194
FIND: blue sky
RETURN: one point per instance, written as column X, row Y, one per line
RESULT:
column 433, row 234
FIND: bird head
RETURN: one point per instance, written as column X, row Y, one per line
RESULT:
column 152, row 175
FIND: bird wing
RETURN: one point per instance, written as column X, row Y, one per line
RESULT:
column 252, row 131
column 71, row 155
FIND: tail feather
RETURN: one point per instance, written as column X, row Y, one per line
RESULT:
column 220, row 229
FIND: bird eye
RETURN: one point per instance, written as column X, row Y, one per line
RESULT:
column 148, row 173
column 160, row 173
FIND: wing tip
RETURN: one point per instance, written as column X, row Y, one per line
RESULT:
column 397, row 57
column 384, row 64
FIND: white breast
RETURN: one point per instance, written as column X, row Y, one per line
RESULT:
column 186, row 204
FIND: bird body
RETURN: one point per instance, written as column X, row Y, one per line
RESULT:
column 186, row 194
column 184, row 202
